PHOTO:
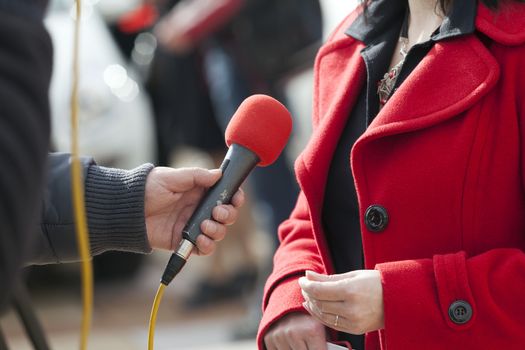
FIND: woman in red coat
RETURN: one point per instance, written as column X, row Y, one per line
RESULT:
column 412, row 209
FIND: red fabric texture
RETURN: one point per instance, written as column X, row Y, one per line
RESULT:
column 446, row 158
column 263, row 125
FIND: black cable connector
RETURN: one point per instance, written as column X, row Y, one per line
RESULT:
column 172, row 269
column 177, row 261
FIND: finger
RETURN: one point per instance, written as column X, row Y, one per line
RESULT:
column 328, row 319
column 314, row 304
column 238, row 198
column 314, row 276
column 213, row 230
column 205, row 245
column 316, row 342
column 305, row 295
column 280, row 341
column 225, row 214
column 308, row 297
column 312, row 309
column 323, row 290
column 185, row 179
column 293, row 341
column 313, row 338
column 205, row 177
column 270, row 342
column 179, row 226
column 269, row 345
column 331, row 307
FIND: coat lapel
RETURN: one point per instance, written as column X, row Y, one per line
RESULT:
column 451, row 78
column 344, row 73
column 342, row 64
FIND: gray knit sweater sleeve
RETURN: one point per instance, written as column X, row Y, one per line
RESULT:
column 114, row 207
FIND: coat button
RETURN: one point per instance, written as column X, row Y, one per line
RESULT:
column 460, row 312
column 376, row 218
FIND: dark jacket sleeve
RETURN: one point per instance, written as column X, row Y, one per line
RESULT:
column 25, row 70
column 114, row 208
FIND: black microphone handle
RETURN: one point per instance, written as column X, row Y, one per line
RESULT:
column 237, row 165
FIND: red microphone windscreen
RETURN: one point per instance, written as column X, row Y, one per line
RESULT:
column 261, row 124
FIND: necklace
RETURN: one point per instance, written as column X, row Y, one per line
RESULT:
column 386, row 85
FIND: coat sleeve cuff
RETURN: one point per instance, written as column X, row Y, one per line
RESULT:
column 417, row 295
column 285, row 298
column 408, row 291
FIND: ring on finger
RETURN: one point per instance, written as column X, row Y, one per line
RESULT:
column 336, row 320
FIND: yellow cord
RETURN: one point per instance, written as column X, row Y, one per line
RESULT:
column 153, row 316
column 78, row 197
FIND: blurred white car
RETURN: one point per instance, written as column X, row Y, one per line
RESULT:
column 115, row 117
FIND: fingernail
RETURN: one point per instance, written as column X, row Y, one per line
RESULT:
column 210, row 226
column 305, row 305
column 221, row 214
column 311, row 273
column 302, row 281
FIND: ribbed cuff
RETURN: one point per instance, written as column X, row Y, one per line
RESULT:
column 115, row 209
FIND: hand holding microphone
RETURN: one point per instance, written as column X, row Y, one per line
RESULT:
column 172, row 195
column 256, row 135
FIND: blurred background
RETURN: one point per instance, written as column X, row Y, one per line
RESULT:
column 159, row 81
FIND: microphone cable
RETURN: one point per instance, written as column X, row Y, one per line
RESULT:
column 153, row 315
column 175, row 265
column 78, row 195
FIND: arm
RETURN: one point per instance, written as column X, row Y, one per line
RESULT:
column 114, row 208
column 129, row 210
column 297, row 253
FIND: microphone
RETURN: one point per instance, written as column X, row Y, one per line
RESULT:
column 256, row 135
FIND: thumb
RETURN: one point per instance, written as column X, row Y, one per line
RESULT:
column 205, row 177
column 314, row 276
column 185, row 179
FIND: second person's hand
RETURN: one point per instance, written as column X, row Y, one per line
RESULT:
column 296, row 331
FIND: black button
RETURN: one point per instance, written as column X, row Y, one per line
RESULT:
column 376, row 218
column 460, row 312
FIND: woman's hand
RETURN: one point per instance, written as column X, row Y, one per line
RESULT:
column 296, row 331
column 351, row 302
column 170, row 199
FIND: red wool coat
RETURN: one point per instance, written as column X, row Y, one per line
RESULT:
column 446, row 158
